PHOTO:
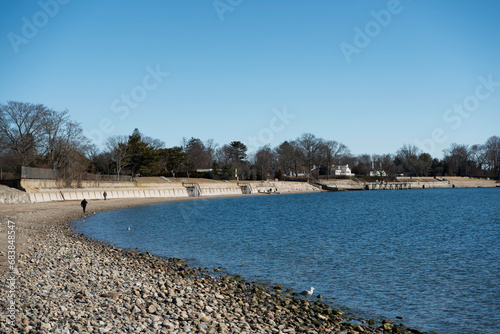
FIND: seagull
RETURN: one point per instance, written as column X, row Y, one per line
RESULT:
column 307, row 293
column 128, row 228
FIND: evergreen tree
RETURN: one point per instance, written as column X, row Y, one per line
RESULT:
column 144, row 158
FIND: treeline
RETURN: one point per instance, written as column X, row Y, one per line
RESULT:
column 36, row 136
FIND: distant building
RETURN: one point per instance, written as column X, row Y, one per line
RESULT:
column 379, row 172
column 301, row 172
column 207, row 170
column 342, row 170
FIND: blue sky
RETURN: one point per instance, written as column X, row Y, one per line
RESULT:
column 373, row 75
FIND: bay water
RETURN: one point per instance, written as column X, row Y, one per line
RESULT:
column 427, row 258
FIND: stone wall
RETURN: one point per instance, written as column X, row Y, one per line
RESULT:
column 13, row 196
column 449, row 182
column 411, row 183
column 291, row 187
column 343, row 184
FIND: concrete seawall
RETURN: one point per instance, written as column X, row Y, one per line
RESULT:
column 157, row 187
column 410, row 183
column 448, row 182
column 153, row 187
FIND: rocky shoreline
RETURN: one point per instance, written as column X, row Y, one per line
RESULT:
column 66, row 283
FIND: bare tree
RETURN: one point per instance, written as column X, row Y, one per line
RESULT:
column 92, row 152
column 76, row 167
column 4, row 146
column 154, row 143
column 334, row 151
column 407, row 159
column 492, row 153
column 52, row 128
column 478, row 159
column 210, row 148
column 20, row 125
column 61, row 136
column 119, row 150
column 361, row 164
column 264, row 161
column 384, row 164
column 309, row 145
column 102, row 162
column 424, row 164
column 224, row 155
column 290, row 157
column 457, row 159
column 319, row 156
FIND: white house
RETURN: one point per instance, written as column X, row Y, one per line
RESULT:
column 342, row 170
column 377, row 173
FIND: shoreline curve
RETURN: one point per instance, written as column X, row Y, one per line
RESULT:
column 83, row 281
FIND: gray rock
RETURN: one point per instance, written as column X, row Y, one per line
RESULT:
column 76, row 284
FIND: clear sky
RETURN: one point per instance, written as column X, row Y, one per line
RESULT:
column 373, row 75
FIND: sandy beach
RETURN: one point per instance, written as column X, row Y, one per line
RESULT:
column 61, row 282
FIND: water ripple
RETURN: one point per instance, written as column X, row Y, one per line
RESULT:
column 429, row 256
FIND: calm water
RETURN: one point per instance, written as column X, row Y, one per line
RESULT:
column 429, row 256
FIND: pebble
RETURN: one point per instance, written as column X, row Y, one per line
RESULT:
column 68, row 283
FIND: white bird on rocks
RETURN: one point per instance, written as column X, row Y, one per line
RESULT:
column 307, row 293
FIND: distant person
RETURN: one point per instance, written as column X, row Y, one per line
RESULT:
column 84, row 205
column 104, row 194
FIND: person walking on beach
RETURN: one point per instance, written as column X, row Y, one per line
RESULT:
column 84, row 205
column 104, row 195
